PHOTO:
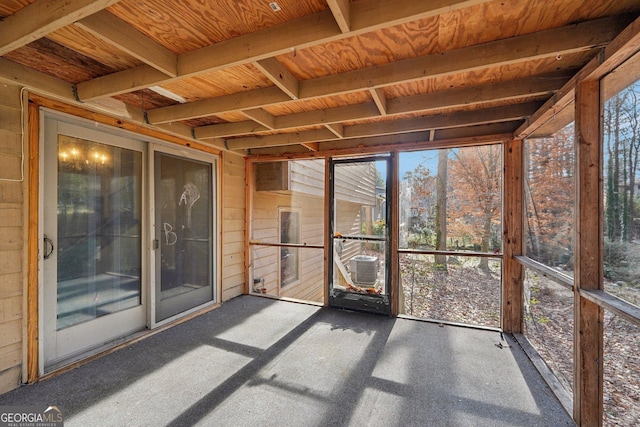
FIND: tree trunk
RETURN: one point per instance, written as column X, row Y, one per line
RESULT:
column 441, row 208
column 484, row 244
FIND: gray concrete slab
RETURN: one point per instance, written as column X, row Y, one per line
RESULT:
column 261, row 362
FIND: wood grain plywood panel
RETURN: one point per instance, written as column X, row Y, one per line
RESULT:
column 186, row 26
column 92, row 47
column 219, row 83
column 507, row 18
column 9, row 7
column 379, row 47
column 490, row 75
column 51, row 58
column 447, row 111
column 205, row 121
column 318, row 104
column 232, row 117
column 145, row 99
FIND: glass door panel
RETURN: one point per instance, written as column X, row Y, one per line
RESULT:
column 360, row 231
column 99, row 246
column 92, row 246
column 184, row 234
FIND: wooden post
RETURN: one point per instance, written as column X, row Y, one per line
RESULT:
column 328, row 243
column 34, row 242
column 513, row 236
column 588, row 316
column 249, row 185
column 396, row 294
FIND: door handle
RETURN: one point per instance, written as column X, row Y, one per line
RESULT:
column 47, row 241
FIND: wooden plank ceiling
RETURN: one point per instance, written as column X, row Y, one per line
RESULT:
column 299, row 75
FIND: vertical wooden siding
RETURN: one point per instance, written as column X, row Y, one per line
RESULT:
column 232, row 224
column 12, row 266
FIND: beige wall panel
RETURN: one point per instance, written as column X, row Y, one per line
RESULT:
column 10, row 262
column 11, row 332
column 10, row 192
column 9, row 379
column 11, row 215
column 10, row 166
column 10, row 96
column 10, row 285
column 10, row 142
column 10, row 118
column 11, row 308
column 11, row 238
column 233, row 224
column 10, row 356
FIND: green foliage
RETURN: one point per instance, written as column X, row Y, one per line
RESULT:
column 379, row 227
column 622, row 262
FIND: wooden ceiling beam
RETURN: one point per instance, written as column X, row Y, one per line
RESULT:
column 261, row 117
column 42, row 17
column 380, row 99
column 337, row 129
column 507, row 113
column 228, row 129
column 521, row 88
column 450, row 138
column 342, row 13
column 544, row 44
column 443, row 121
column 531, row 86
column 223, row 104
column 624, row 45
column 327, row 116
column 549, row 43
column 142, row 76
column 311, row 146
column 457, row 137
column 16, row 73
column 118, row 33
column 281, row 39
column 295, row 138
column 279, row 75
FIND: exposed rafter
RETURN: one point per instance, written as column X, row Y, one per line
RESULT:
column 550, row 43
column 465, row 118
column 279, row 75
column 513, row 89
column 370, row 15
column 261, row 117
column 342, row 13
column 43, row 17
column 115, row 31
column 380, row 99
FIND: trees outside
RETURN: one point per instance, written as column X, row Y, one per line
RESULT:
column 621, row 151
column 476, row 189
column 458, row 208
column 452, row 202
column 549, row 190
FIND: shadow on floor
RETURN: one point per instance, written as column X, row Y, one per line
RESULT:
column 256, row 361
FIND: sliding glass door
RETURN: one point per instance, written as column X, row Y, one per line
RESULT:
column 92, row 240
column 184, row 220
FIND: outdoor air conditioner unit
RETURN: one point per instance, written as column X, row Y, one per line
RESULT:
column 364, row 270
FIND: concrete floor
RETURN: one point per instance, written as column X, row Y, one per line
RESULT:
column 261, row 362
